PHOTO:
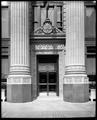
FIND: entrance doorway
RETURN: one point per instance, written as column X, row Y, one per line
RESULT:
column 48, row 74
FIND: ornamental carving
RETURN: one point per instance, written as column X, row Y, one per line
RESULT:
column 49, row 47
column 47, row 28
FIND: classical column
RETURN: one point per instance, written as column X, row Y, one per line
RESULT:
column 76, row 87
column 19, row 79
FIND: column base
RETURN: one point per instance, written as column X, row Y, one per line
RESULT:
column 76, row 89
column 19, row 88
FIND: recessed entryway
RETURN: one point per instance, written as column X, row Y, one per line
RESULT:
column 47, row 72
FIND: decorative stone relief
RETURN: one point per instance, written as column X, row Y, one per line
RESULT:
column 49, row 47
column 51, row 31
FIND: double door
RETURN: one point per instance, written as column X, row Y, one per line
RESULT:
column 47, row 82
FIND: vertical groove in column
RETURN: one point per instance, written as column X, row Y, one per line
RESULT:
column 20, row 33
column 22, row 37
column 25, row 36
column 14, row 33
column 78, row 29
column 28, row 43
column 11, row 46
column 21, row 46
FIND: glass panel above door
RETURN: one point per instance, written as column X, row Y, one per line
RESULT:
column 47, row 67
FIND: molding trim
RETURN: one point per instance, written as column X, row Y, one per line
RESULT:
column 75, row 69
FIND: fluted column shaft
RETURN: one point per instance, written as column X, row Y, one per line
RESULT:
column 19, row 52
column 75, row 45
column 75, row 40
column 75, row 33
column 75, row 71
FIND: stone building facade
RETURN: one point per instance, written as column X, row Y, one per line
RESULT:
column 46, row 48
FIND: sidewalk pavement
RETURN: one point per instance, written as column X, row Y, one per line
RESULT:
column 48, row 108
